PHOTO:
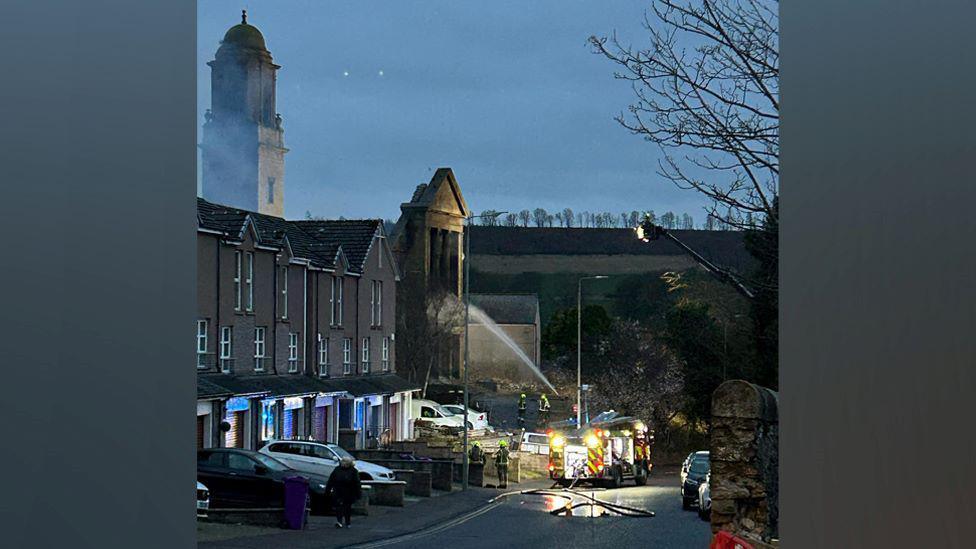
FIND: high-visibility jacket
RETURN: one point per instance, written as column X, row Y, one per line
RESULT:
column 521, row 404
column 501, row 457
column 544, row 405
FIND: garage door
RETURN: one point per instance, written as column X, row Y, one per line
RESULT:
column 320, row 425
column 234, row 438
column 289, row 428
column 200, row 430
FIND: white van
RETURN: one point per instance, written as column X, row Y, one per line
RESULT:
column 428, row 410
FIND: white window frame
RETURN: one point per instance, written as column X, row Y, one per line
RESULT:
column 292, row 352
column 202, row 336
column 249, row 281
column 260, row 349
column 226, row 348
column 365, row 360
column 386, row 354
column 336, row 301
column 202, row 342
column 238, row 261
column 346, row 355
column 284, row 292
column 323, row 355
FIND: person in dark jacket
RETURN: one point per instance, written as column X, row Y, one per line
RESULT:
column 345, row 489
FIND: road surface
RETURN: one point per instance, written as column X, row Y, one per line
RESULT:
column 524, row 521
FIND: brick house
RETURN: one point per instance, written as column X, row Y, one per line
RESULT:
column 295, row 330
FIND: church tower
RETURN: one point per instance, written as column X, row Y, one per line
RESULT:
column 243, row 151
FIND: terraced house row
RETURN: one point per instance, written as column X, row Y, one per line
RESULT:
column 295, row 331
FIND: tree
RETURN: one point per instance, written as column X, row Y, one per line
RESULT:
column 489, row 218
column 559, row 341
column 667, row 219
column 549, row 219
column 525, row 216
column 427, row 333
column 764, row 246
column 568, row 217
column 707, row 93
column 646, row 377
column 687, row 223
column 709, row 223
column 511, row 220
column 539, row 216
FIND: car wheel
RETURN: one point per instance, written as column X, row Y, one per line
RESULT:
column 641, row 479
column 704, row 515
column 685, row 503
column 470, row 425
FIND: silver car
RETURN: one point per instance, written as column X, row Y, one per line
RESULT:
column 321, row 458
column 705, row 498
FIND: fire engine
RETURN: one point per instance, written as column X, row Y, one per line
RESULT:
column 608, row 450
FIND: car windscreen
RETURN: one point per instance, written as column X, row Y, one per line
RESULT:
column 270, row 462
column 444, row 410
column 699, row 466
column 341, row 453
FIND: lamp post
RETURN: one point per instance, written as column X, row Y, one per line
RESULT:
column 579, row 345
column 467, row 316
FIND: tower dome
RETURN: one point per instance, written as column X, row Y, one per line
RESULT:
column 244, row 36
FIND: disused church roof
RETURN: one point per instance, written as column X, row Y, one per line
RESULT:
column 508, row 308
column 724, row 248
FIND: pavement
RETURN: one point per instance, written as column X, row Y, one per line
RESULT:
column 382, row 522
column 470, row 520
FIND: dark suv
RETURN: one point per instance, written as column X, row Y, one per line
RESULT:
column 697, row 469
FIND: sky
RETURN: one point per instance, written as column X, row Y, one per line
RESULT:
column 377, row 94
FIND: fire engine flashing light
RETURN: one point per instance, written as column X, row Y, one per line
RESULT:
column 552, row 467
column 592, row 441
column 558, row 441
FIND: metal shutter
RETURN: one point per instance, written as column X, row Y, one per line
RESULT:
column 289, row 428
column 234, row 438
column 320, row 423
column 200, row 430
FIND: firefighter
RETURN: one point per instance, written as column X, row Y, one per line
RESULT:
column 544, row 409
column 501, row 464
column 476, row 455
column 521, row 411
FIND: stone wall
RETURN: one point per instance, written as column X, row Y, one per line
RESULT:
column 744, row 452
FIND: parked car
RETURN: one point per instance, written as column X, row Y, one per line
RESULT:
column 478, row 420
column 428, row 410
column 321, row 458
column 536, row 443
column 703, row 454
column 705, row 498
column 203, row 499
column 697, row 471
column 239, row 478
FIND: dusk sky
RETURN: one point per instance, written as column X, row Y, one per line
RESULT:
column 376, row 95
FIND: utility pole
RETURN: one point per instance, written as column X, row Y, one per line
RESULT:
column 467, row 320
column 579, row 345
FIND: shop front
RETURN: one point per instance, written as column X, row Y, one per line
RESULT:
column 237, row 414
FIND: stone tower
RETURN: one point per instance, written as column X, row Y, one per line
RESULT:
column 428, row 242
column 243, row 151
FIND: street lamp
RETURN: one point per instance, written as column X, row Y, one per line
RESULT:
column 467, row 303
column 579, row 345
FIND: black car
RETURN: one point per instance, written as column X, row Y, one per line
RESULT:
column 243, row 478
column 697, row 471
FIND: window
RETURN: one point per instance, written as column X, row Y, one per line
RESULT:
column 226, row 349
column 376, row 303
column 201, row 344
column 240, row 462
column 292, row 352
column 323, row 355
column 259, row 349
column 336, row 301
column 249, row 281
column 346, row 355
column 365, row 355
column 427, row 412
column 271, row 186
column 386, row 354
column 284, row 292
column 237, row 281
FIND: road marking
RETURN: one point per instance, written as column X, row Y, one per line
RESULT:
column 428, row 531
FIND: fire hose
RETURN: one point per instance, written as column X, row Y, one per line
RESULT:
column 622, row 510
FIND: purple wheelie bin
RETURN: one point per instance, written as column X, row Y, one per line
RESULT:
column 296, row 497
